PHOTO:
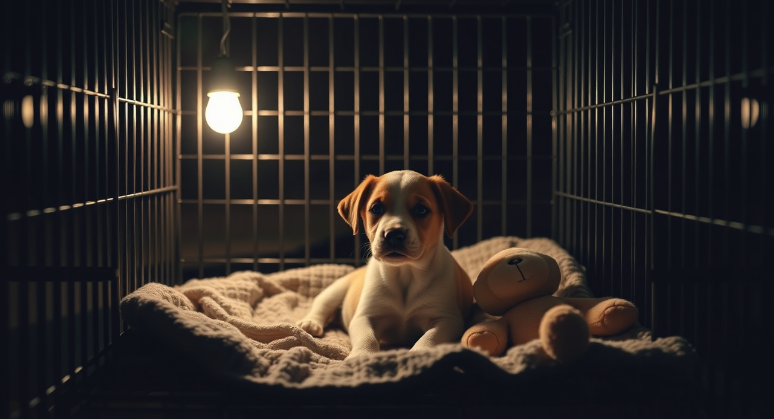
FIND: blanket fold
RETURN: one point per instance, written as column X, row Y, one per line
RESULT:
column 242, row 327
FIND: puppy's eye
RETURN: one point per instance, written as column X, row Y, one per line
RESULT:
column 421, row 209
column 515, row 261
column 377, row 208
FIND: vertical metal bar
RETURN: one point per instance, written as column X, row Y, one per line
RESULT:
column 5, row 317
column 764, row 48
column 86, row 230
column 87, row 257
column 455, row 114
column 227, row 223
column 23, row 327
column 140, row 247
column 684, row 157
column 5, row 206
column 331, row 135
column 586, row 80
column 307, row 200
column 744, row 140
column 156, row 166
column 178, row 136
column 45, row 376
column 199, row 148
column 227, row 210
column 26, row 377
column 697, row 163
column 112, row 154
column 622, row 266
column 743, row 288
column 6, row 291
column 504, row 126
column 430, row 102
column 84, row 326
column 137, row 265
column 530, row 109
column 163, row 138
column 554, row 127
column 382, row 156
column 564, row 136
column 651, row 149
column 633, row 46
column 725, row 287
column 406, row 162
column 281, row 136
column 98, row 138
column 71, row 199
column 479, row 130
column 599, row 226
column 605, row 180
column 158, row 70
column 169, row 160
column 254, row 135
column 669, row 138
column 356, row 117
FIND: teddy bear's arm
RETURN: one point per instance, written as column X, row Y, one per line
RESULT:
column 490, row 335
column 606, row 316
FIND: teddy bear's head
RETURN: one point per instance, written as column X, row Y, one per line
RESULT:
column 515, row 275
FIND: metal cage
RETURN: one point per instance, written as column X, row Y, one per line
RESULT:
column 663, row 188
column 89, row 197
column 328, row 99
column 634, row 133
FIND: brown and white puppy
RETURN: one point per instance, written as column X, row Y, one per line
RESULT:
column 411, row 291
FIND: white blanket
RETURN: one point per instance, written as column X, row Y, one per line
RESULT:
column 241, row 327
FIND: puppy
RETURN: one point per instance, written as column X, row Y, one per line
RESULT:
column 411, row 291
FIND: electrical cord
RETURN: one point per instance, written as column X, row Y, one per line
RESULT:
column 226, row 28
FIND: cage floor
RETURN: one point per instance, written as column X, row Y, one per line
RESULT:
column 144, row 380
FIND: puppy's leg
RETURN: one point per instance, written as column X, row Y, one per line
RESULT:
column 363, row 336
column 324, row 306
column 441, row 330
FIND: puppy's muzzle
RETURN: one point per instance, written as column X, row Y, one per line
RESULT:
column 395, row 238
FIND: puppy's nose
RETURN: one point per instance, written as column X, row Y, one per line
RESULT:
column 395, row 237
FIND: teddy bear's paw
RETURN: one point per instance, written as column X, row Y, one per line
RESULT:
column 618, row 316
column 486, row 341
column 564, row 333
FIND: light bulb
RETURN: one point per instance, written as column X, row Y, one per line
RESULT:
column 223, row 113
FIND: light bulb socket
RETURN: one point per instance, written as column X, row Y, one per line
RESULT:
column 223, row 75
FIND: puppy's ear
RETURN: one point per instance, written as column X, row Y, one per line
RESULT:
column 349, row 207
column 455, row 206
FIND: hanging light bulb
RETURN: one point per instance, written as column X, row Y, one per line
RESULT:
column 223, row 113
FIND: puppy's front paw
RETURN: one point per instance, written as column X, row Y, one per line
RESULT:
column 311, row 326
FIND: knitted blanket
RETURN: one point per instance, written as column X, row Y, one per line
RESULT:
column 241, row 327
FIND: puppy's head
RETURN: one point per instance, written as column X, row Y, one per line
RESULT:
column 405, row 213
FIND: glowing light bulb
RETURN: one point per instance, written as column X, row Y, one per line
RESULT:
column 223, row 113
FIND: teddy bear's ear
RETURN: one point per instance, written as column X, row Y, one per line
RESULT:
column 555, row 274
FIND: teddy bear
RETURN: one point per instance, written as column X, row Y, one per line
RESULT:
column 515, row 291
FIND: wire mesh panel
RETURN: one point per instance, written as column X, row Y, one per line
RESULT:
column 89, row 188
column 663, row 187
column 332, row 97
